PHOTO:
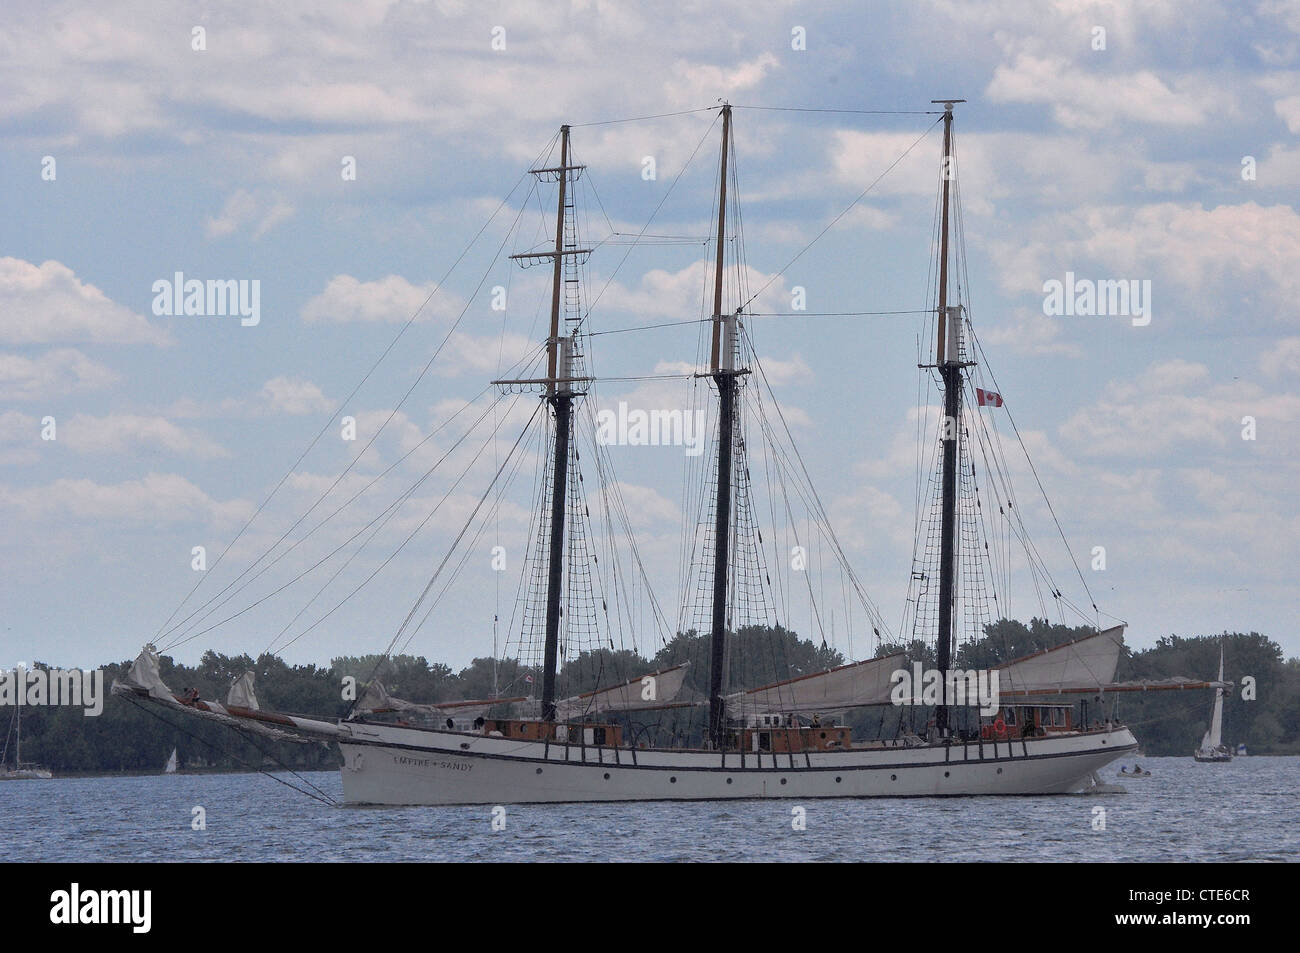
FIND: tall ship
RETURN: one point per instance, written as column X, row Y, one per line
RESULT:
column 706, row 725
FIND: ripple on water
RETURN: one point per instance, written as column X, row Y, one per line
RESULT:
column 1243, row 812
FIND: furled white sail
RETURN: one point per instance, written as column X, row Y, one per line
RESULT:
column 1087, row 664
column 376, row 699
column 143, row 677
column 172, row 763
column 143, row 680
column 654, row 690
column 1172, row 683
column 241, row 693
column 848, row 686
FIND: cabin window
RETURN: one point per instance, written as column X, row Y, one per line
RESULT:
column 1009, row 716
column 764, row 741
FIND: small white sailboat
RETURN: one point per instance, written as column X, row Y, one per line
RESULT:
column 20, row 771
column 1212, row 749
column 172, row 763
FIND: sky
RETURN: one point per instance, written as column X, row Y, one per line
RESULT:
column 345, row 155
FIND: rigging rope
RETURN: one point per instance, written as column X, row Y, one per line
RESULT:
column 322, row 796
column 393, row 343
column 846, row 211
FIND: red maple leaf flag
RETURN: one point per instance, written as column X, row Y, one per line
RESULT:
column 987, row 397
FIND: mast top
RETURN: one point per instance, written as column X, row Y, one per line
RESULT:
column 947, row 103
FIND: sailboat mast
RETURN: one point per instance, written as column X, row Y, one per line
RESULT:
column 948, row 358
column 560, row 397
column 724, row 375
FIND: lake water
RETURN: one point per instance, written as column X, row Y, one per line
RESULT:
column 1248, row 810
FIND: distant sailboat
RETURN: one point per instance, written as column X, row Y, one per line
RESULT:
column 20, row 771
column 172, row 763
column 1212, row 748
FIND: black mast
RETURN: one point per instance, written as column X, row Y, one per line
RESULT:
column 948, row 358
column 724, row 375
column 559, row 394
column 559, row 382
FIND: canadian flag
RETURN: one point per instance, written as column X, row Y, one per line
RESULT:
column 987, row 397
column 528, row 679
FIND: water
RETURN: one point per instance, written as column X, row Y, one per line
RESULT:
column 1243, row 811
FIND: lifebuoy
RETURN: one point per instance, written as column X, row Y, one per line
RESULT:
column 1000, row 727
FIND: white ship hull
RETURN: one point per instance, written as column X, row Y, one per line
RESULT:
column 393, row 765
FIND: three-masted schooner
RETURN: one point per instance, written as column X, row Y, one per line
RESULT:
column 767, row 741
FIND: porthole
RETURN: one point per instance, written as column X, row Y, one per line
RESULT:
column 838, row 780
column 893, row 777
column 999, row 770
column 783, row 780
column 539, row 770
column 728, row 780
column 946, row 773
column 673, row 780
column 606, row 775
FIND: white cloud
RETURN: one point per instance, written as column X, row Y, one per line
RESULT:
column 1289, row 111
column 647, row 507
column 681, row 294
column 244, row 208
column 483, row 354
column 793, row 371
column 1032, row 333
column 157, row 497
column 1003, row 168
column 1175, row 405
column 328, row 102
column 47, row 303
column 695, row 82
column 389, row 299
column 20, row 438
column 1191, row 254
column 869, row 217
column 52, row 374
column 869, row 514
column 130, row 433
column 290, row 396
column 1087, row 100
column 1283, row 358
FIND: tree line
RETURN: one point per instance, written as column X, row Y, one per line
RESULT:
column 130, row 736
